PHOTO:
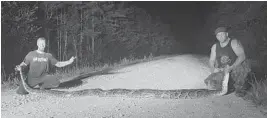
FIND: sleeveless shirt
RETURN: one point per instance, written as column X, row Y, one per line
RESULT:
column 225, row 55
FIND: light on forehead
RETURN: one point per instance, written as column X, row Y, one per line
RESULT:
column 40, row 40
column 221, row 33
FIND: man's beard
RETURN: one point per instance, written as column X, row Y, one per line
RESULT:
column 41, row 49
column 224, row 41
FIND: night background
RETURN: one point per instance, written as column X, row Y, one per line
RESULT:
column 105, row 32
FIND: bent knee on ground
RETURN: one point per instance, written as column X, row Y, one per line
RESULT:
column 50, row 82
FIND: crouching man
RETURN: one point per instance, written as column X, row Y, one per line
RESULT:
column 228, row 55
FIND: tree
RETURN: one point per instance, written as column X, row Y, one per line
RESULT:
column 19, row 31
column 18, row 21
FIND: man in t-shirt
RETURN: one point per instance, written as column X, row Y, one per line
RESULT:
column 38, row 62
column 228, row 55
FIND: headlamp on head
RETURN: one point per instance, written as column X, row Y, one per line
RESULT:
column 220, row 29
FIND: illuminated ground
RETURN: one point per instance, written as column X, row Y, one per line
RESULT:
column 168, row 73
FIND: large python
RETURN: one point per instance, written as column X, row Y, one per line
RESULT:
column 138, row 93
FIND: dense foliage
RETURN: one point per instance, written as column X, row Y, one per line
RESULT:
column 95, row 32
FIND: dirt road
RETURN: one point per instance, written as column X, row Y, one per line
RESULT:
column 176, row 72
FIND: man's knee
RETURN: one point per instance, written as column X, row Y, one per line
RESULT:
column 55, row 82
column 50, row 82
column 240, row 75
column 241, row 72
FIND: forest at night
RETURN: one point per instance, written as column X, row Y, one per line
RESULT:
column 71, row 58
column 105, row 32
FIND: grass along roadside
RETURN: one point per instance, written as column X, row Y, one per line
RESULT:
column 257, row 95
column 11, row 81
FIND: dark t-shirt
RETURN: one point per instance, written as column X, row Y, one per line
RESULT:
column 225, row 55
column 39, row 63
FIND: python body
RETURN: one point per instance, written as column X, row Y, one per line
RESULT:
column 138, row 93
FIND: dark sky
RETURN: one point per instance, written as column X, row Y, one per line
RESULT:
column 185, row 17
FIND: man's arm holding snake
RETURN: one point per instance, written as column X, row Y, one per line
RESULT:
column 213, row 59
column 22, row 64
column 239, row 51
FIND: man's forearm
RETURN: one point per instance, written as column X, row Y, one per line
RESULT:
column 22, row 64
column 238, row 61
column 211, row 64
column 63, row 63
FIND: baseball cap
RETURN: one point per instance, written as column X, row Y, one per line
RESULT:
column 220, row 29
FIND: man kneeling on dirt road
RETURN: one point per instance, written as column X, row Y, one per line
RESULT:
column 38, row 62
column 228, row 51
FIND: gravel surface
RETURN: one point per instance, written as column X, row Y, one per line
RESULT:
column 178, row 72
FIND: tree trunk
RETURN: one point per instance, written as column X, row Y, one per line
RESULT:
column 57, row 37
column 46, row 29
column 48, row 39
column 88, row 42
column 60, row 35
column 81, row 36
column 93, row 38
column 65, row 46
column 65, row 35
column 76, row 50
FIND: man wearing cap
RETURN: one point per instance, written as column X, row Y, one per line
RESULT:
column 228, row 55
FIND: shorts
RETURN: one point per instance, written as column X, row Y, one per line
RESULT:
column 45, row 82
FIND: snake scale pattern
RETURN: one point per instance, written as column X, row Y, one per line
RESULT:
column 138, row 93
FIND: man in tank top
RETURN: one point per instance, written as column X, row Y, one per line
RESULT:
column 228, row 55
